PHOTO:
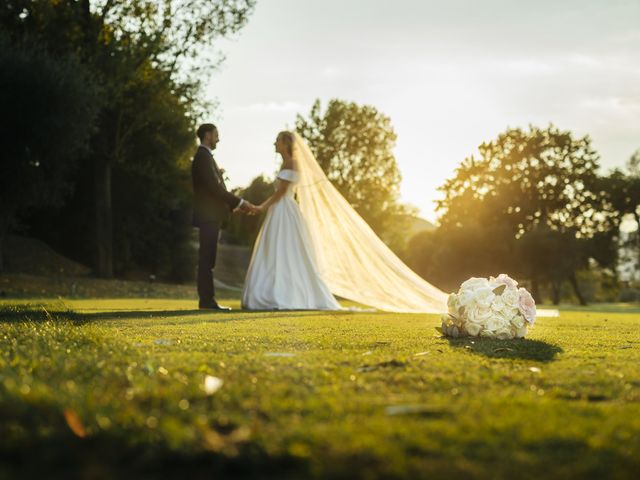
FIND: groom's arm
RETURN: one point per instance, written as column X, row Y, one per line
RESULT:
column 208, row 180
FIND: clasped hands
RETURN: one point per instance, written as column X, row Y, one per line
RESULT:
column 249, row 208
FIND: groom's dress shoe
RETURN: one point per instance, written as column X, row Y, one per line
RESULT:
column 213, row 306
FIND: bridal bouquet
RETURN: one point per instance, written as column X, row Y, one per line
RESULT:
column 492, row 308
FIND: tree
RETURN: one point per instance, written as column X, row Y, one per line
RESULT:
column 354, row 146
column 622, row 189
column 554, row 256
column 151, row 225
column 48, row 105
column 540, row 177
column 633, row 164
column 536, row 184
column 451, row 254
column 243, row 229
column 123, row 42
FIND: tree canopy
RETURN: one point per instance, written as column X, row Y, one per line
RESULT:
column 354, row 146
column 148, row 60
column 48, row 105
column 530, row 204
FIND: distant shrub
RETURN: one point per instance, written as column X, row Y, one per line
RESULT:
column 630, row 295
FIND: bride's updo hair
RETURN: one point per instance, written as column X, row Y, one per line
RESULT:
column 287, row 137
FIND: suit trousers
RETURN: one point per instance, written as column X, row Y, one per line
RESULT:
column 208, row 250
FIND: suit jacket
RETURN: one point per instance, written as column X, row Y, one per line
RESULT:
column 212, row 203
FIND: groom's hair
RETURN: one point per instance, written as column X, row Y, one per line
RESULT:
column 204, row 128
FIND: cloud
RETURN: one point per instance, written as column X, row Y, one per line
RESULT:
column 583, row 60
column 529, row 66
column 331, row 72
column 613, row 104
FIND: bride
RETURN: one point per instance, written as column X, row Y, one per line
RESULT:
column 283, row 273
column 314, row 245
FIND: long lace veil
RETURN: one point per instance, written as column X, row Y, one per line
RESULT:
column 353, row 261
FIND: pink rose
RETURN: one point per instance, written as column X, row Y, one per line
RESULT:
column 527, row 306
column 504, row 279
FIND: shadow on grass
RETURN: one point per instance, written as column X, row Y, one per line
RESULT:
column 35, row 313
column 37, row 443
column 521, row 348
column 122, row 453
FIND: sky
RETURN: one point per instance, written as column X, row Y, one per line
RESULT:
column 450, row 75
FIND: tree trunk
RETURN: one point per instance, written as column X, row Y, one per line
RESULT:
column 102, row 177
column 104, row 219
column 637, row 235
column 535, row 290
column 555, row 292
column 576, row 288
column 2, row 235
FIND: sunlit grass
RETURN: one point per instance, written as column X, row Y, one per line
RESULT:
column 116, row 387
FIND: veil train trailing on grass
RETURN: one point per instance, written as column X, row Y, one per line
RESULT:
column 353, row 261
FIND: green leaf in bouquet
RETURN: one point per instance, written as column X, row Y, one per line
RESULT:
column 499, row 290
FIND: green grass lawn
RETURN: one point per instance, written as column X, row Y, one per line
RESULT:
column 115, row 389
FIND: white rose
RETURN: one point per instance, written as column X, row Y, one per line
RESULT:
column 484, row 296
column 517, row 321
column 510, row 312
column 498, row 304
column 504, row 333
column 465, row 297
column 478, row 314
column 473, row 329
column 504, row 279
column 511, row 298
column 484, row 314
column 452, row 304
column 521, row 332
column 487, row 334
column 475, row 283
column 494, row 323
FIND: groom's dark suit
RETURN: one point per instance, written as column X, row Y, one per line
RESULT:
column 212, row 207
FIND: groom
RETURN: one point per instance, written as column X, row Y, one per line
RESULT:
column 212, row 208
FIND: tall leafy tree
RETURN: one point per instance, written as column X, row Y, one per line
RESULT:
column 49, row 107
column 354, row 146
column 622, row 188
column 166, row 35
column 529, row 193
column 537, row 177
column 123, row 43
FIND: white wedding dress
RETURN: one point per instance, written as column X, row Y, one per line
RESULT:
column 283, row 273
